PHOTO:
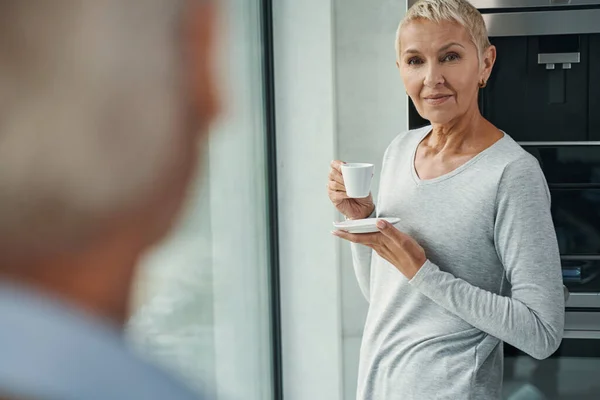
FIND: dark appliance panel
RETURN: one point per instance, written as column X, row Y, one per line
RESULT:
column 573, row 176
column 533, row 95
column 594, row 84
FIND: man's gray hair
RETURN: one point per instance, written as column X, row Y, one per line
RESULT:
column 90, row 95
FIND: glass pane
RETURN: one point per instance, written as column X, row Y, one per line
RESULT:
column 576, row 214
column 202, row 302
column 569, row 166
column 571, row 373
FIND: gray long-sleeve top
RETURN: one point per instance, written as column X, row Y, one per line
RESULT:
column 493, row 275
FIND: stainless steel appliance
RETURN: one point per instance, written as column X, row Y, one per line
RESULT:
column 545, row 92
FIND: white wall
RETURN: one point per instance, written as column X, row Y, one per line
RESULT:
column 338, row 96
column 310, row 292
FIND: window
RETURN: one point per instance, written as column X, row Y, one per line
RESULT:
column 202, row 304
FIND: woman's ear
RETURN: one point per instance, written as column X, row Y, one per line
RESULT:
column 488, row 60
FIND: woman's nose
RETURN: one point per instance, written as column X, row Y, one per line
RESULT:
column 433, row 76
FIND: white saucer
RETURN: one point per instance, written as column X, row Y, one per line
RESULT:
column 367, row 225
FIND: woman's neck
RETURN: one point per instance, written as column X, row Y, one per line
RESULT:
column 460, row 135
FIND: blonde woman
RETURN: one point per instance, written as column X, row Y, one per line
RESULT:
column 474, row 261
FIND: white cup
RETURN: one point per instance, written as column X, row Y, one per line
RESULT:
column 357, row 179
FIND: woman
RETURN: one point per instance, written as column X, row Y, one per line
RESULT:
column 474, row 261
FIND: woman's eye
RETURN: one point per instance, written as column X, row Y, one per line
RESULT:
column 414, row 61
column 451, row 57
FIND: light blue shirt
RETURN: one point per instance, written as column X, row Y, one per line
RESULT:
column 51, row 350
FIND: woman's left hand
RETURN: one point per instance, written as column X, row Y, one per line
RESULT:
column 399, row 249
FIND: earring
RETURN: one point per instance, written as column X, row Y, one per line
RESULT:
column 482, row 83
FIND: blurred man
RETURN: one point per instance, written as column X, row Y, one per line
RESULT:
column 104, row 107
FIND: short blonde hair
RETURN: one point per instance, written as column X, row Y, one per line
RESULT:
column 459, row 11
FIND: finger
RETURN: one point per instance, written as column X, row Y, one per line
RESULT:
column 337, row 165
column 389, row 231
column 351, row 237
column 384, row 251
column 336, row 186
column 367, row 239
column 335, row 175
column 381, row 252
column 337, row 196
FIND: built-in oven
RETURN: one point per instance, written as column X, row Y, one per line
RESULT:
column 545, row 92
column 572, row 170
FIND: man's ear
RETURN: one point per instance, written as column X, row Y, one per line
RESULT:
column 200, row 35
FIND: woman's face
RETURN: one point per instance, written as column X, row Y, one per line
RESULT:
column 441, row 69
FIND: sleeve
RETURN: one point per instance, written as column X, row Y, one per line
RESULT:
column 361, row 260
column 532, row 317
column 362, row 255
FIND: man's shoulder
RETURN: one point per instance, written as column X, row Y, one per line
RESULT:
column 50, row 351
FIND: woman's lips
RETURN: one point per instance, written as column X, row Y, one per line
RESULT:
column 437, row 100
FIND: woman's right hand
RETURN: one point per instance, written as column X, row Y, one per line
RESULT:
column 351, row 208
